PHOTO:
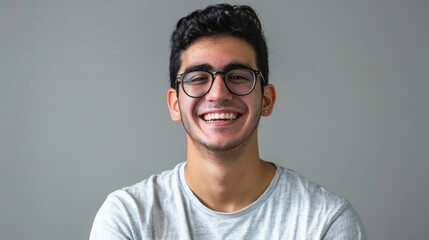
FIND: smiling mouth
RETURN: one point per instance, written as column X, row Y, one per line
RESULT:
column 210, row 117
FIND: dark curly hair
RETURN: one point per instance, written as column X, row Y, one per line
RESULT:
column 222, row 19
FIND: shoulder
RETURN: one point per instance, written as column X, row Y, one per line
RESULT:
column 159, row 179
column 155, row 187
column 300, row 188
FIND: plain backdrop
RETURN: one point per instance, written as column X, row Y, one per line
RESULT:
column 83, row 106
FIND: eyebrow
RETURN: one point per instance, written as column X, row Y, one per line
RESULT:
column 200, row 67
column 210, row 68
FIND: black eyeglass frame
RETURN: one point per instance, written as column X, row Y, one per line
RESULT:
column 213, row 74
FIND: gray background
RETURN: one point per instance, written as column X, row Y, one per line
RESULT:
column 83, row 106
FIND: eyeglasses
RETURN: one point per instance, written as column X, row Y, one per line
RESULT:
column 239, row 81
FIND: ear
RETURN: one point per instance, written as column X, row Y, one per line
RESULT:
column 268, row 100
column 173, row 104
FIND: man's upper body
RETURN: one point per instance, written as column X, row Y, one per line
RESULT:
column 164, row 207
column 219, row 91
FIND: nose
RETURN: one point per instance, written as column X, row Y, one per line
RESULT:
column 219, row 91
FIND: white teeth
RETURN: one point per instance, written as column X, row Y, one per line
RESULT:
column 220, row 116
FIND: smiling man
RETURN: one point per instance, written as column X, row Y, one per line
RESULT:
column 224, row 190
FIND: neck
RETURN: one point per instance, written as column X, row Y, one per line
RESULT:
column 227, row 182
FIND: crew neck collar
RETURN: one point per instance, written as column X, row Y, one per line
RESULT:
column 256, row 204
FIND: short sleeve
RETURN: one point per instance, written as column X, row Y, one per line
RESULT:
column 111, row 221
column 347, row 225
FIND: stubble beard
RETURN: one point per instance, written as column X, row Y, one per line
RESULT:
column 228, row 151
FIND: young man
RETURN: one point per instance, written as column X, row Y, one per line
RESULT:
column 219, row 90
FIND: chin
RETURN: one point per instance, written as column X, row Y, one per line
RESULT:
column 225, row 147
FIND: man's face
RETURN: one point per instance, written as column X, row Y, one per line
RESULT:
column 233, row 119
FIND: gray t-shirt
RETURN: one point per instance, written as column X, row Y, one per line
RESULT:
column 164, row 207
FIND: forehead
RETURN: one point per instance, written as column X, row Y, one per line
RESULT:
column 218, row 52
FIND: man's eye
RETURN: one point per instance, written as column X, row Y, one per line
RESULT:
column 239, row 78
column 196, row 80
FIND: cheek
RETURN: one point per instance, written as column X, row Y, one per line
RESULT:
column 254, row 103
column 257, row 108
column 187, row 106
